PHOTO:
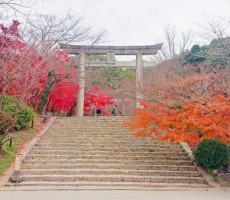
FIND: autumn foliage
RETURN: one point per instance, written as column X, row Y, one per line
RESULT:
column 24, row 70
column 188, row 122
column 96, row 98
column 63, row 97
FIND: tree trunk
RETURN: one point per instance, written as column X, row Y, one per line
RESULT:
column 45, row 96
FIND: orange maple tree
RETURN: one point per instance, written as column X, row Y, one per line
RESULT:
column 184, row 123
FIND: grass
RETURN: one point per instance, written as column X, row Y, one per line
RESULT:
column 213, row 174
column 7, row 156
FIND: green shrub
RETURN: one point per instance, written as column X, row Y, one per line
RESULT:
column 24, row 117
column 9, row 104
column 23, row 114
column 211, row 154
column 228, row 154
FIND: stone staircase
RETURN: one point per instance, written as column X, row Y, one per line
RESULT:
column 98, row 152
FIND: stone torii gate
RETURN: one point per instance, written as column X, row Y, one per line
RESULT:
column 110, row 52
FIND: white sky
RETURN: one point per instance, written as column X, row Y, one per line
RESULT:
column 139, row 22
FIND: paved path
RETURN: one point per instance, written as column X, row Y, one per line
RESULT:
column 197, row 194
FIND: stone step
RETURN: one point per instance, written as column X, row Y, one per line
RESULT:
column 89, row 120
column 100, row 140
column 115, row 145
column 109, row 172
column 114, row 161
column 89, row 136
column 90, row 127
column 103, row 149
column 92, row 124
column 106, row 147
column 113, row 178
column 47, row 165
column 92, row 118
column 103, row 157
column 101, row 145
column 92, row 121
column 109, row 153
column 108, row 185
column 89, row 132
column 98, row 127
column 83, row 136
column 130, row 145
column 107, row 150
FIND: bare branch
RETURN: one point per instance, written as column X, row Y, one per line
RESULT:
column 99, row 37
column 174, row 43
column 213, row 28
column 13, row 7
column 186, row 40
column 52, row 29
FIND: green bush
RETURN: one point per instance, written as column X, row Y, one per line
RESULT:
column 24, row 117
column 23, row 114
column 211, row 154
column 228, row 154
column 9, row 104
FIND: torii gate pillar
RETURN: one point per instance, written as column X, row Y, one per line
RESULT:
column 139, row 80
column 81, row 93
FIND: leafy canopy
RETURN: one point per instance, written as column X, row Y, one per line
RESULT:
column 214, row 54
column 187, row 123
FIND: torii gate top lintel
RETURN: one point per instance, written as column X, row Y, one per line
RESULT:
column 118, row 50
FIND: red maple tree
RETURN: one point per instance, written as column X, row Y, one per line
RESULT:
column 96, row 98
column 24, row 73
column 63, row 97
column 24, row 69
column 187, row 123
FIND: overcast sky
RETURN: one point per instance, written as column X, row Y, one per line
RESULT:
column 139, row 22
